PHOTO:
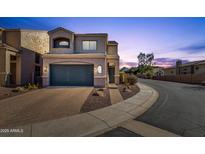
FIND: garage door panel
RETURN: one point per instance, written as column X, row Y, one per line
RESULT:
column 71, row 75
column 56, row 71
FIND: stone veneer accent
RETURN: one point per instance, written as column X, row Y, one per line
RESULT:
column 37, row 41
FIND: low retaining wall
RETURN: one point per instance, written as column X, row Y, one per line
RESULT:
column 186, row 78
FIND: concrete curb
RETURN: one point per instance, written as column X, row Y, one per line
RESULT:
column 94, row 122
column 146, row 130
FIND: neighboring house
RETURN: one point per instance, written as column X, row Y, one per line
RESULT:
column 195, row 68
column 199, row 68
column 58, row 57
column 20, row 55
column 191, row 72
column 171, row 71
column 158, row 71
column 80, row 59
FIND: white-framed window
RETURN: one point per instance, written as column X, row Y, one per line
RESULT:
column 61, row 43
column 89, row 45
column 64, row 43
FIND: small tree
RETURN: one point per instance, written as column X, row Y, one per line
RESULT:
column 141, row 59
column 149, row 59
column 145, row 62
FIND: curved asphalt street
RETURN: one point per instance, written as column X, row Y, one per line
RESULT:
column 180, row 108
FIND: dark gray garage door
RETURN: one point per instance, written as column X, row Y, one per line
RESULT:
column 71, row 75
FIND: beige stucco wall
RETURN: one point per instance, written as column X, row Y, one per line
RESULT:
column 31, row 42
column 99, row 79
column 13, row 38
column 27, row 66
column 2, row 66
column 112, row 50
column 185, row 70
column 1, row 35
column 168, row 71
column 18, row 65
column 200, row 70
column 61, row 34
column 5, row 65
column 101, row 43
column 113, row 61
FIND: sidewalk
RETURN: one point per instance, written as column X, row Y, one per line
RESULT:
column 146, row 130
column 115, row 96
column 94, row 122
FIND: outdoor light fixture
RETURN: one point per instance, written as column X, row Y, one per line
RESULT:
column 99, row 69
column 45, row 69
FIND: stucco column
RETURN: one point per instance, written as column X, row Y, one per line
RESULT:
column 117, row 72
column 18, row 70
column 2, row 66
column 45, row 76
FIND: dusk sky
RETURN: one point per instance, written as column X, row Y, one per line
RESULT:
column 168, row 38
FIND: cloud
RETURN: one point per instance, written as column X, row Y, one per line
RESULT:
column 162, row 62
column 127, row 64
column 167, row 62
column 194, row 48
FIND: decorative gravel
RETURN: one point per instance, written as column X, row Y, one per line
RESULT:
column 133, row 90
column 96, row 100
column 9, row 92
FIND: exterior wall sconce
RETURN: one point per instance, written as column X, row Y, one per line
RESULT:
column 45, row 69
column 99, row 69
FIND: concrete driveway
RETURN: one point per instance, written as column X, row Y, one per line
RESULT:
column 179, row 109
column 41, row 105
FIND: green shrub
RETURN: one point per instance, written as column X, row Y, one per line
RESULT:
column 149, row 75
column 18, row 89
column 132, row 79
column 123, row 77
column 30, row 86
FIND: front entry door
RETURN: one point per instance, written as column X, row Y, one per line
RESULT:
column 13, row 73
column 111, row 72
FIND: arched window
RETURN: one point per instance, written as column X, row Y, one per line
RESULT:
column 61, row 43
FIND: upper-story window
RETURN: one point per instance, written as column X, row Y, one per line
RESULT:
column 89, row 45
column 61, row 43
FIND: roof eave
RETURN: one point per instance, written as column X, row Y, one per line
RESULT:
column 59, row 28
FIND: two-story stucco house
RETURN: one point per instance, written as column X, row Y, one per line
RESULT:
column 59, row 57
column 80, row 59
column 20, row 55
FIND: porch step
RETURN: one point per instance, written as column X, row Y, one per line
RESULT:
column 115, row 96
column 112, row 86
